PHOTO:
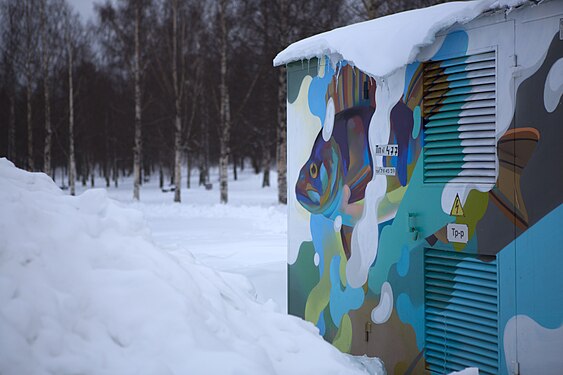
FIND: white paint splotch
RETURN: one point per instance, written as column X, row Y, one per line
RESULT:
column 329, row 120
column 553, row 86
column 381, row 313
column 537, row 349
column 303, row 128
column 365, row 237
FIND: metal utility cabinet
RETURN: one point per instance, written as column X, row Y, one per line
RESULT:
column 431, row 235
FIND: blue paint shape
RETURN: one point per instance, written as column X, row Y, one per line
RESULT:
column 409, row 73
column 455, row 44
column 321, row 324
column 342, row 300
column 320, row 228
column 414, row 316
column 539, row 262
column 383, row 224
column 404, row 262
column 416, row 116
column 317, row 92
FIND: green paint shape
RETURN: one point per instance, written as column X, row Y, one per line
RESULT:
column 318, row 298
column 297, row 72
column 343, row 339
column 303, row 275
column 320, row 295
column 474, row 209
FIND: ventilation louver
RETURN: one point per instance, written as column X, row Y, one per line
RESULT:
column 461, row 312
column 459, row 119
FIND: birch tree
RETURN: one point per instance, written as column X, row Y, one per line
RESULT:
column 49, row 30
column 137, row 148
column 281, row 145
column 177, row 109
column 71, row 34
column 11, row 12
column 225, row 111
column 124, row 34
column 29, row 45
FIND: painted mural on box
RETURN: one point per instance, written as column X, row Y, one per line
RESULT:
column 362, row 214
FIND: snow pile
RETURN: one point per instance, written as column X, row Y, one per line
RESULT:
column 467, row 371
column 380, row 46
column 84, row 290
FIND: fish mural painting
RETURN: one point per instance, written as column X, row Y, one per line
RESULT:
column 340, row 166
column 374, row 259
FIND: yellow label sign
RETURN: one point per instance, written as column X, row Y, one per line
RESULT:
column 457, row 208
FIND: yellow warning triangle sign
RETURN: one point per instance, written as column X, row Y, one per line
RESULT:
column 457, row 208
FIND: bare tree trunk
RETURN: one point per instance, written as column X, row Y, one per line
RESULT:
column 45, row 63
column 115, row 169
column 29, row 92
column 281, row 148
column 85, row 172
column 281, row 136
column 12, row 129
column 224, row 136
column 72, row 161
column 189, row 170
column 235, row 175
column 204, row 168
column 28, row 67
column 107, row 153
column 138, row 135
column 106, row 174
column 12, row 45
column 177, row 119
column 266, row 162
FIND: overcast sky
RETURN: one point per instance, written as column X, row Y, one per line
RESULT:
column 85, row 7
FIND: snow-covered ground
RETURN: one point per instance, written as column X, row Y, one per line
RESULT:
column 86, row 287
column 248, row 236
column 99, row 284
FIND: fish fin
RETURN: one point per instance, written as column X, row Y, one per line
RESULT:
column 346, row 236
column 413, row 97
column 442, row 234
column 350, row 207
column 515, row 148
column 359, row 171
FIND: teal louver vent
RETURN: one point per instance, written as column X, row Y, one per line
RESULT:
column 461, row 312
column 459, row 119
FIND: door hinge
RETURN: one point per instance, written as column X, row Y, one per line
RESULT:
column 368, row 330
column 515, row 368
column 515, row 68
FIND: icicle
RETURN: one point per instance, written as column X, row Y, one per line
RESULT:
column 337, row 77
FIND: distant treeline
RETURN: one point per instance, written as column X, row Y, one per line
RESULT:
column 147, row 86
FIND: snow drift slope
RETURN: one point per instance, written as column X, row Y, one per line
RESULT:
column 84, row 290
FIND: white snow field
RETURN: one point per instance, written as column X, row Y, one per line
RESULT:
column 248, row 236
column 85, row 288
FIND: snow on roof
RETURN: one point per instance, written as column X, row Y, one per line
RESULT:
column 380, row 46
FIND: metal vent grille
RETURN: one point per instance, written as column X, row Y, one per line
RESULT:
column 461, row 312
column 459, row 119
